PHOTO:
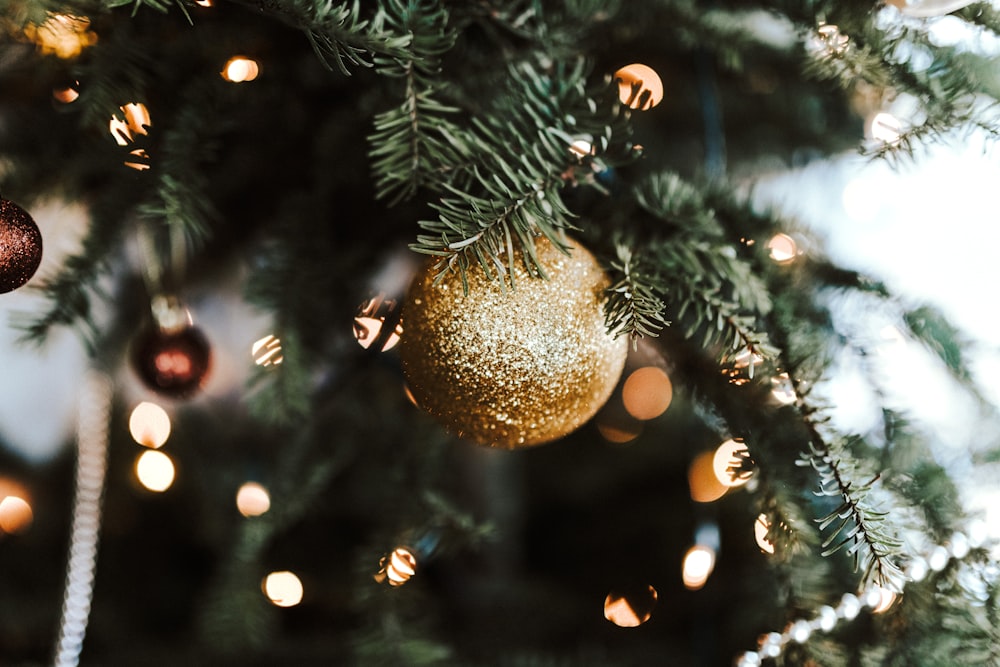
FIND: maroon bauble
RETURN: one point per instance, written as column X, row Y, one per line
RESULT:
column 172, row 362
column 20, row 246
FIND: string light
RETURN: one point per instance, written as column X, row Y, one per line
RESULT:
column 703, row 482
column 283, row 588
column 149, row 425
column 782, row 248
column 397, row 568
column 699, row 562
column 377, row 323
column 135, row 122
column 266, row 351
column 240, row 69
column 647, row 393
column 16, row 515
column 630, row 608
column 639, row 86
column 760, row 529
column 728, row 463
column 66, row 94
column 155, row 470
column 252, row 499
column 62, row 35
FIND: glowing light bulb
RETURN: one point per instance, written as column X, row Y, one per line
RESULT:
column 647, row 393
column 639, row 86
column 699, row 562
column 398, row 567
column 782, row 248
column 62, row 35
column 149, row 425
column 728, row 463
column 266, row 351
column 155, row 470
column 760, row 528
column 66, row 94
column 240, row 69
column 630, row 608
column 371, row 322
column 582, row 147
column 253, row 499
column 16, row 515
column 283, row 589
column 702, row 480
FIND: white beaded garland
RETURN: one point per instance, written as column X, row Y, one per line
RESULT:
column 959, row 545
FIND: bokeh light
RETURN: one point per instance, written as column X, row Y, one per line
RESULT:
column 16, row 515
column 829, row 41
column 760, row 528
column 155, row 470
column 639, row 86
column 728, row 462
column 149, row 425
column 647, row 392
column 135, row 121
column 699, row 561
column 782, row 248
column 397, row 568
column 582, row 147
column 240, row 69
column 880, row 599
column 62, row 35
column 252, row 499
column 702, row 480
column 370, row 320
column 283, row 589
column 885, row 127
column 782, row 390
column 618, row 433
column 266, row 351
column 630, row 608
column 66, row 94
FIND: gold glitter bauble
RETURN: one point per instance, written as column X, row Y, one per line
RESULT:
column 512, row 367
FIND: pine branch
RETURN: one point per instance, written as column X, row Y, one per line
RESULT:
column 523, row 159
column 633, row 307
column 861, row 528
column 337, row 32
column 416, row 144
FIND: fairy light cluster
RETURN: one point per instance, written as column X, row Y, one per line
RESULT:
column 876, row 599
column 149, row 425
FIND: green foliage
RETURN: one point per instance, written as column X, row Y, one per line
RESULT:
column 633, row 307
column 510, row 194
column 859, row 526
column 341, row 37
column 416, row 144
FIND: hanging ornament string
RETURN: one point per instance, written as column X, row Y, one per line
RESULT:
column 91, row 464
column 149, row 260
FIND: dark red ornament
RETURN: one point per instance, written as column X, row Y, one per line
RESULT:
column 20, row 246
column 172, row 362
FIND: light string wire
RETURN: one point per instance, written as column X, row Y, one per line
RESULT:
column 91, row 465
column 772, row 644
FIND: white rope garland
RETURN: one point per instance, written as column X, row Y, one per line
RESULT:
column 91, row 463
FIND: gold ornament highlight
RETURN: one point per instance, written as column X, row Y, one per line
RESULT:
column 512, row 367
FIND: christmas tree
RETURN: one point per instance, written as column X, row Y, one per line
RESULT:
column 417, row 332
